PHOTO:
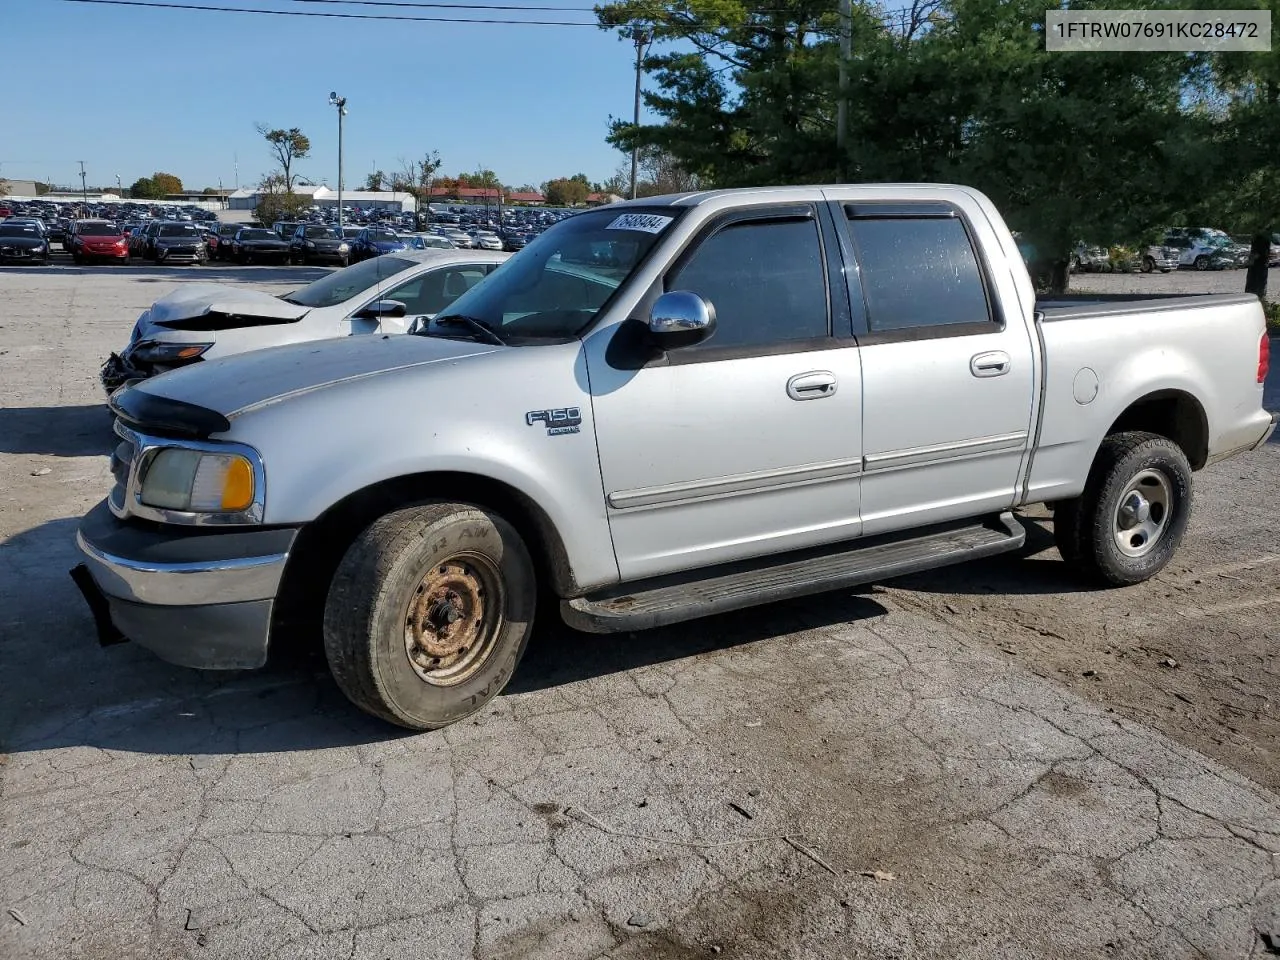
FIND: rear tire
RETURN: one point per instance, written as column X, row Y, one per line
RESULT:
column 1202, row 262
column 1148, row 265
column 429, row 613
column 1128, row 523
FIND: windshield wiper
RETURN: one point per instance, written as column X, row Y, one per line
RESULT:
column 478, row 327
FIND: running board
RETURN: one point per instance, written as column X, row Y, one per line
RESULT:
column 701, row 593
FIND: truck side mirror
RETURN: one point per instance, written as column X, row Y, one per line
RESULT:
column 681, row 319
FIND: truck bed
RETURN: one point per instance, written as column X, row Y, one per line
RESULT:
column 1199, row 351
column 1093, row 305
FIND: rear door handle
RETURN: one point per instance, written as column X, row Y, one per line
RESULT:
column 993, row 364
column 813, row 385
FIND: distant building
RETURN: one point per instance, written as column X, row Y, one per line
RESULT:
column 531, row 199
column 600, row 199
column 467, row 194
column 26, row 189
column 247, row 198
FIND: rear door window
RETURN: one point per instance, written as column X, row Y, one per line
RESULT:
column 918, row 272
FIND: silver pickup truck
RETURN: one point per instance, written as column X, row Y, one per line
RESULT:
column 657, row 411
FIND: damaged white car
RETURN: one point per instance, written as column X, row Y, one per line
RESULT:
column 204, row 321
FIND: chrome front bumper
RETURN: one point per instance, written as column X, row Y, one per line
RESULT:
column 194, row 598
column 185, row 583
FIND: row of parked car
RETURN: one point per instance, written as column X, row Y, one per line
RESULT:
column 1195, row 248
column 187, row 242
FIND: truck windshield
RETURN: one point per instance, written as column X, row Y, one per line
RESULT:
column 555, row 287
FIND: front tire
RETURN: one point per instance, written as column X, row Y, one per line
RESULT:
column 1128, row 523
column 1148, row 265
column 429, row 613
column 1202, row 262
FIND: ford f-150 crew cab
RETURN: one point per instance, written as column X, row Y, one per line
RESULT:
column 656, row 411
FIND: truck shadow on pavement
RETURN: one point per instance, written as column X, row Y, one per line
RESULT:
column 558, row 655
column 1012, row 573
column 82, row 431
column 74, row 693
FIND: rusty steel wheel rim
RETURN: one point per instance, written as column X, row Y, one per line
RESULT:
column 453, row 619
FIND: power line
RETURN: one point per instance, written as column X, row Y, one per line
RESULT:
column 152, row 4
column 899, row 21
column 406, row 4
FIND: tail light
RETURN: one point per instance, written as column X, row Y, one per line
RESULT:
column 1264, row 357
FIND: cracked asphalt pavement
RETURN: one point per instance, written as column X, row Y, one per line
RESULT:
column 983, row 762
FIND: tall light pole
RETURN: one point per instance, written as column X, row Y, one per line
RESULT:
column 119, row 188
column 341, row 104
column 84, row 191
column 641, row 39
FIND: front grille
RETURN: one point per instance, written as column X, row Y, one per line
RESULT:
column 121, row 465
column 121, row 458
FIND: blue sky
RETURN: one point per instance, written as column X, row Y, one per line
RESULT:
column 132, row 90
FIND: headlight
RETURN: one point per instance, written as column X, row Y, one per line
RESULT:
column 193, row 481
column 344, row 247
column 311, row 244
column 154, row 351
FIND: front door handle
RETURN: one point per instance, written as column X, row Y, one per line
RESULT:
column 812, row 386
column 993, row 364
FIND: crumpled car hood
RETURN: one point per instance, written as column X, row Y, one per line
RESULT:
column 244, row 382
column 215, row 306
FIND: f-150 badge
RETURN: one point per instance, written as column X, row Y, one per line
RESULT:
column 558, row 421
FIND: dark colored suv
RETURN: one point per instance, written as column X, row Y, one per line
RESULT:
column 170, row 241
column 315, row 243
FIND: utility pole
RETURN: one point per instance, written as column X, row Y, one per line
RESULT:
column 235, row 158
column 341, row 104
column 119, row 188
column 84, row 191
column 842, row 107
column 641, row 39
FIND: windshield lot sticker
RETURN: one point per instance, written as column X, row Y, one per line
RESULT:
column 559, row 421
column 645, row 222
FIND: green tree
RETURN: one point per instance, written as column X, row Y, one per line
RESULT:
column 1092, row 146
column 1070, row 147
column 374, row 181
column 566, row 191
column 166, row 183
column 1242, row 91
column 287, row 146
column 276, row 201
column 144, row 188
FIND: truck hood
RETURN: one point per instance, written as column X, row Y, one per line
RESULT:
column 215, row 306
column 247, row 381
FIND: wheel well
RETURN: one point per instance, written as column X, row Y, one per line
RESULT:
column 321, row 544
column 1172, row 414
